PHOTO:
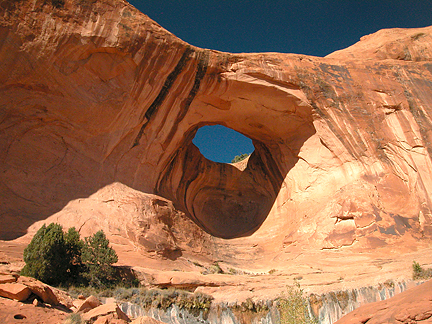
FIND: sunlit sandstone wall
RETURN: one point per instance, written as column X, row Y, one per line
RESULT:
column 96, row 93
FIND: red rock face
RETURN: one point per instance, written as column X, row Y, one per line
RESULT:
column 93, row 94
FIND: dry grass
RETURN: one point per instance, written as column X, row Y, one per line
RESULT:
column 293, row 307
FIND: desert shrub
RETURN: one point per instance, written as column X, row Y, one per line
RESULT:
column 74, row 319
column 194, row 302
column 98, row 257
column 74, row 247
column 420, row 273
column 251, row 306
column 150, row 298
column 48, row 258
column 293, row 307
column 215, row 268
column 164, row 298
column 240, row 157
column 417, row 270
column 126, row 294
column 63, row 259
column 86, row 291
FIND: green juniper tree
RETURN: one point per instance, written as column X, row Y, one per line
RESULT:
column 47, row 257
column 98, row 258
column 74, row 247
column 59, row 258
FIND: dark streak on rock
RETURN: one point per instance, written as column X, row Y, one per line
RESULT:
column 328, row 92
column 422, row 121
column 340, row 73
column 164, row 91
column 334, row 129
column 203, row 59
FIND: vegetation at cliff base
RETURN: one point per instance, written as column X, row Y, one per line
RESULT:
column 59, row 258
column 293, row 307
column 47, row 256
column 421, row 273
column 193, row 302
column 98, row 257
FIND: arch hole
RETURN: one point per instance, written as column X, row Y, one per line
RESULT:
column 221, row 144
column 19, row 316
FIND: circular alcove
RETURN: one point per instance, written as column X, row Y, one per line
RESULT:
column 223, row 199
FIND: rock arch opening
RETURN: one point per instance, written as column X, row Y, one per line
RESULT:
column 225, row 200
column 221, row 144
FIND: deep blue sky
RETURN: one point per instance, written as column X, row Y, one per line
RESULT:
column 221, row 144
column 316, row 28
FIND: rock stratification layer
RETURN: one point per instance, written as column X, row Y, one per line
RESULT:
column 96, row 93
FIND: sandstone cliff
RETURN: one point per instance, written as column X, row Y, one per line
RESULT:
column 94, row 95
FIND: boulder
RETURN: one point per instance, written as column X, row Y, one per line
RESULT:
column 76, row 304
column 63, row 297
column 106, row 309
column 45, row 292
column 88, row 304
column 15, row 291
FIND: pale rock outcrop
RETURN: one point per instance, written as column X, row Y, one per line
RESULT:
column 117, row 209
column 396, row 43
column 111, row 310
column 146, row 320
column 411, row 306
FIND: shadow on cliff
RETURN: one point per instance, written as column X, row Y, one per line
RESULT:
column 221, row 199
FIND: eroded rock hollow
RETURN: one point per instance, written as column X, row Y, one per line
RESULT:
column 97, row 93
